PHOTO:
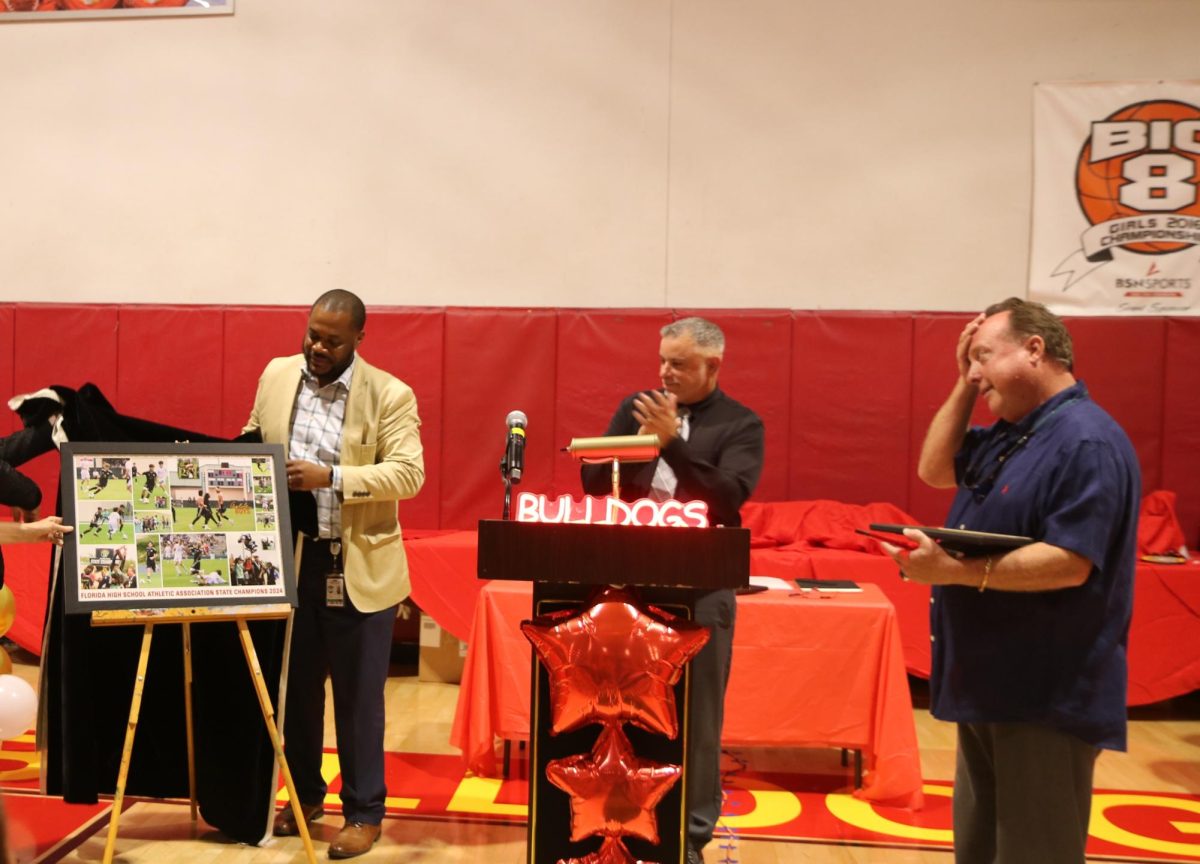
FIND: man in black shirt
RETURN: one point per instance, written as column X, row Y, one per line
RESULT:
column 151, row 477
column 711, row 451
column 101, row 481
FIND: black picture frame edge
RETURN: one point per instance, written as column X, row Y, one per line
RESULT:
column 68, row 566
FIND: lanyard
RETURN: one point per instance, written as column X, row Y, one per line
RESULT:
column 978, row 483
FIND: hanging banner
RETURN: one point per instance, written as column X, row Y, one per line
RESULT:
column 61, row 10
column 1116, row 198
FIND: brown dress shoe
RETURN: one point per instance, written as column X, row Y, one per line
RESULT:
column 355, row 838
column 285, row 822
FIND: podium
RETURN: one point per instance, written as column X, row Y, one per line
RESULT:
column 568, row 563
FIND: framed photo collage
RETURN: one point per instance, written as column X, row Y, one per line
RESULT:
column 162, row 525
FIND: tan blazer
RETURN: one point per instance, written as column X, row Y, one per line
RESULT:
column 381, row 463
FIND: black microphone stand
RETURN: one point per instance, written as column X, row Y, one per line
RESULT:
column 510, row 462
column 508, row 484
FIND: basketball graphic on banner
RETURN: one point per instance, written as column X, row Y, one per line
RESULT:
column 1116, row 198
column 1142, row 161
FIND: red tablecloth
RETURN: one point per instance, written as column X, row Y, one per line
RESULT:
column 441, row 566
column 910, row 599
column 808, row 670
column 1164, row 641
column 1164, row 636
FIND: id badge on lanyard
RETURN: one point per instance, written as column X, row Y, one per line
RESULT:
column 335, row 581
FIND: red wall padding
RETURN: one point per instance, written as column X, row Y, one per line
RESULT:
column 602, row 356
column 845, row 396
column 1181, row 421
column 496, row 361
column 850, row 404
column 935, row 339
column 8, row 421
column 252, row 336
column 171, row 360
column 408, row 343
column 757, row 373
column 69, row 345
column 1122, row 362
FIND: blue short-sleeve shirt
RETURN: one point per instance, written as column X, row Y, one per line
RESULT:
column 1056, row 658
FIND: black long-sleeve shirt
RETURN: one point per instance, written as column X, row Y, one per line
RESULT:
column 719, row 463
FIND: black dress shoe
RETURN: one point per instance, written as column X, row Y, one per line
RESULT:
column 285, row 822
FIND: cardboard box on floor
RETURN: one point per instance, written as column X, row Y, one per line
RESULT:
column 441, row 654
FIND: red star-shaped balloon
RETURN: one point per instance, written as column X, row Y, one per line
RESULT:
column 616, row 661
column 612, row 851
column 613, row 792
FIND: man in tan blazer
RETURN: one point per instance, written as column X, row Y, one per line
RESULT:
column 354, row 449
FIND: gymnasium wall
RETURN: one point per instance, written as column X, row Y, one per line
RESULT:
column 521, row 153
column 845, row 396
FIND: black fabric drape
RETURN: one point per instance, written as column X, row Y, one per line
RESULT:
column 89, row 672
column 17, row 490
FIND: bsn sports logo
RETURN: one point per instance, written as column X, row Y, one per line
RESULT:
column 1137, row 177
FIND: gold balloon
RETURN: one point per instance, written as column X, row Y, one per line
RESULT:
column 8, row 609
column 5, row 662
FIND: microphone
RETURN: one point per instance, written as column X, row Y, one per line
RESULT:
column 514, row 451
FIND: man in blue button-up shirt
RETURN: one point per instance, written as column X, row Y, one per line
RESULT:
column 1029, row 645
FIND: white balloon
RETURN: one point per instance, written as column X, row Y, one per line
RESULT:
column 18, row 706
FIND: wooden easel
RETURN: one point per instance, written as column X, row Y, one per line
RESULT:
column 185, row 616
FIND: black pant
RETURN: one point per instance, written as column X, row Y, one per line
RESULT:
column 353, row 648
column 717, row 610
